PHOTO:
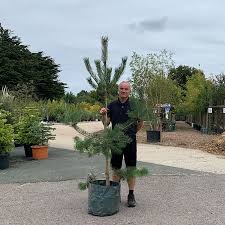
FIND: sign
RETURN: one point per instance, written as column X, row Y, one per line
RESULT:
column 223, row 110
column 167, row 108
column 209, row 110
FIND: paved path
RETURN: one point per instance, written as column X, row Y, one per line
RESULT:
column 172, row 156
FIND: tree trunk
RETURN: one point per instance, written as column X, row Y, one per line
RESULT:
column 107, row 172
column 106, row 158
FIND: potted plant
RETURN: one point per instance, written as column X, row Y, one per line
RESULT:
column 41, row 134
column 153, row 126
column 34, row 134
column 103, row 194
column 23, row 133
column 6, row 140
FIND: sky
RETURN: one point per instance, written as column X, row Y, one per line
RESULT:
column 69, row 30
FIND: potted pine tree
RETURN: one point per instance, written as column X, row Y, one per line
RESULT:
column 6, row 140
column 103, row 194
column 41, row 133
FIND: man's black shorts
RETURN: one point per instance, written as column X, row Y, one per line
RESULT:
column 130, row 156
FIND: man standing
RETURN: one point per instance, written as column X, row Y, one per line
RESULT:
column 117, row 112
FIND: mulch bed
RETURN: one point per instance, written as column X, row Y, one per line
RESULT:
column 185, row 136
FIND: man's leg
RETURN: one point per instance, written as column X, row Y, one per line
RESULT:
column 131, row 202
column 131, row 183
column 130, row 156
column 116, row 164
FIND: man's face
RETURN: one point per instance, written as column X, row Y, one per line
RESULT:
column 124, row 90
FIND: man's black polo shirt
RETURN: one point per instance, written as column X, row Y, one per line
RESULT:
column 118, row 113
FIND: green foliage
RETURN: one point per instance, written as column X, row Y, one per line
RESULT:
column 25, row 92
column 162, row 90
column 199, row 94
column 102, row 80
column 219, row 89
column 85, row 96
column 69, row 98
column 181, row 74
column 82, row 186
column 40, row 133
column 141, row 111
column 150, row 81
column 7, row 103
column 130, row 172
column 124, row 174
column 60, row 111
column 14, row 103
column 107, row 142
column 90, row 178
column 18, row 65
column 30, row 129
column 143, row 68
column 6, row 133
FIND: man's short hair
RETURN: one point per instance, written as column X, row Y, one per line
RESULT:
column 126, row 82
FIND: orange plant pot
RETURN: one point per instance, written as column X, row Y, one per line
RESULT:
column 40, row 152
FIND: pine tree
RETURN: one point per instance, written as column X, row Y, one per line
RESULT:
column 102, row 80
column 18, row 65
column 104, row 83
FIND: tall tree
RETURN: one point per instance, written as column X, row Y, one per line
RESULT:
column 103, row 81
column 150, row 78
column 181, row 74
column 18, row 65
column 219, row 89
column 199, row 94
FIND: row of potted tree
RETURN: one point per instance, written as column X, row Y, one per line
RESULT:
column 27, row 130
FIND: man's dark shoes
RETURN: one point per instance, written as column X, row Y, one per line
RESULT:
column 131, row 200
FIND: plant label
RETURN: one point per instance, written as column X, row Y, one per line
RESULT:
column 209, row 110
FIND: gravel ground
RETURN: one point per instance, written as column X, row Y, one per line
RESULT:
column 162, row 200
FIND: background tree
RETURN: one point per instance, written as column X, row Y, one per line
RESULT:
column 199, row 94
column 219, row 89
column 85, row 96
column 18, row 65
column 182, row 73
column 150, row 78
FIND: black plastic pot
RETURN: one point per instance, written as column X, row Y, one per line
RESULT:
column 103, row 200
column 204, row 130
column 18, row 145
column 28, row 150
column 153, row 136
column 4, row 161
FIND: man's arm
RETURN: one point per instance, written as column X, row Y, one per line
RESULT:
column 105, row 118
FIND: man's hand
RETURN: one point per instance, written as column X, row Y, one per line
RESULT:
column 105, row 119
column 103, row 111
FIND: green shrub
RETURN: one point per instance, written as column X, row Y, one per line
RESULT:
column 6, row 134
column 31, row 130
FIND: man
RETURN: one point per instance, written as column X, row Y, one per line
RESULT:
column 117, row 112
